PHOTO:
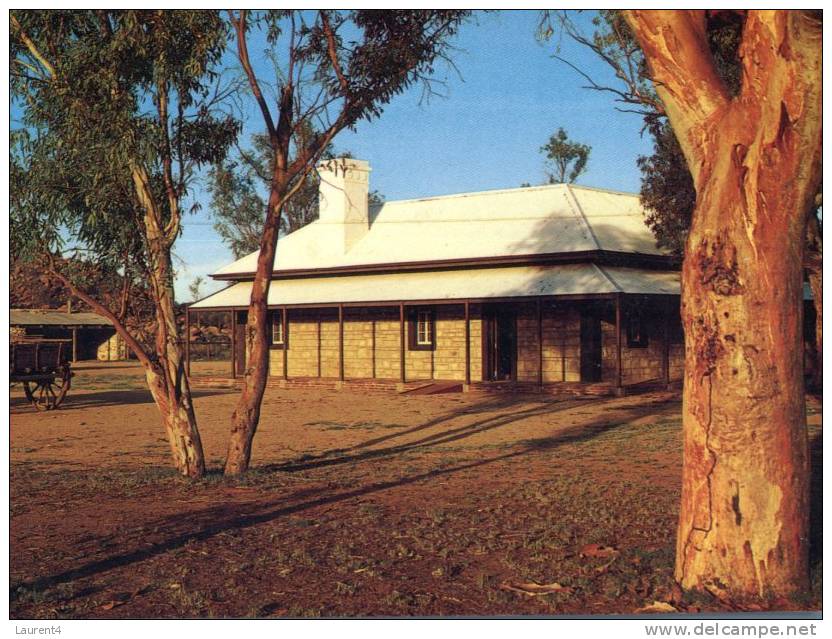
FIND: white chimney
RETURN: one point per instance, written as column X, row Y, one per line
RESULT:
column 345, row 185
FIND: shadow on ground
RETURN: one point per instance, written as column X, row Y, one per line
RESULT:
column 203, row 524
column 96, row 399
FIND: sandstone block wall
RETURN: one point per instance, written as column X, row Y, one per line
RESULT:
column 449, row 355
column 371, row 346
column 640, row 364
column 561, row 328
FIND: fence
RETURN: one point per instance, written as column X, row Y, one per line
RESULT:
column 208, row 351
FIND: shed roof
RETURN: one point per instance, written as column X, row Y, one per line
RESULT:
column 467, row 284
column 46, row 317
column 550, row 219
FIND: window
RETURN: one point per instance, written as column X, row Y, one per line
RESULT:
column 636, row 333
column 278, row 337
column 424, row 328
column 421, row 330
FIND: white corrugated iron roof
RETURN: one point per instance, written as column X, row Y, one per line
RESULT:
column 45, row 317
column 547, row 219
column 472, row 284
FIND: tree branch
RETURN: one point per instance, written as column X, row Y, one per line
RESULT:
column 333, row 53
column 31, row 46
column 172, row 227
column 102, row 310
column 242, row 53
column 675, row 45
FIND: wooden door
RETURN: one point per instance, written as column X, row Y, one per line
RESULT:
column 590, row 348
column 500, row 344
column 239, row 355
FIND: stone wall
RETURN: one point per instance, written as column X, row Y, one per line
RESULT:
column 302, row 356
column 371, row 346
column 359, row 334
column 561, row 329
column 640, row 364
column 449, row 355
column 387, row 344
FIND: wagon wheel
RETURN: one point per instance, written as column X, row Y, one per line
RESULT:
column 49, row 392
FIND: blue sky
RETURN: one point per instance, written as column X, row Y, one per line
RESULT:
column 485, row 134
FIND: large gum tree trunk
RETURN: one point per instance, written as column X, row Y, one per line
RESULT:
column 180, row 423
column 755, row 159
column 743, row 526
column 246, row 416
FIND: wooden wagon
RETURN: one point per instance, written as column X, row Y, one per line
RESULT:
column 42, row 366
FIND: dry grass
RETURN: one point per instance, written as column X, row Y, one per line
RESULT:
column 357, row 506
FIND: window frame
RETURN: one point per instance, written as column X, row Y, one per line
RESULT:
column 636, row 331
column 418, row 315
column 277, row 321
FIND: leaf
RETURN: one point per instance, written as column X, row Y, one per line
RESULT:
column 657, row 606
column 120, row 600
column 598, row 550
column 535, row 590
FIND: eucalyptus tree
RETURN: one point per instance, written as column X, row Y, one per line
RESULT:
column 239, row 188
column 732, row 99
column 667, row 190
column 116, row 112
column 334, row 69
column 566, row 159
column 755, row 160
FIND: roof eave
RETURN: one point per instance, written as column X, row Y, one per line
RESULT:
column 595, row 256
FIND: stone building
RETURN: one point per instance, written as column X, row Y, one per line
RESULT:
column 89, row 336
column 556, row 287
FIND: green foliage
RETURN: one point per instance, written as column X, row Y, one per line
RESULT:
column 100, row 91
column 339, row 67
column 335, row 69
column 667, row 191
column 566, row 160
column 194, row 288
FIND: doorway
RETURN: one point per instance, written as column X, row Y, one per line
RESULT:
column 591, row 341
column 500, row 336
column 239, row 355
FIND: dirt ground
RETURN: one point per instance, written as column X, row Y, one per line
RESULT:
column 358, row 505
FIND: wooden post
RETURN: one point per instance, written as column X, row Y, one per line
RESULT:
column 666, row 356
column 373, row 342
column 75, row 344
column 539, row 344
column 467, row 344
column 284, row 322
column 232, row 326
column 562, row 331
column 402, row 372
column 618, row 376
column 341, row 342
column 319, row 342
column 187, row 341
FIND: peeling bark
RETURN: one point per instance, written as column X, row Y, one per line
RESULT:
column 166, row 372
column 814, row 268
column 180, row 424
column 743, row 526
